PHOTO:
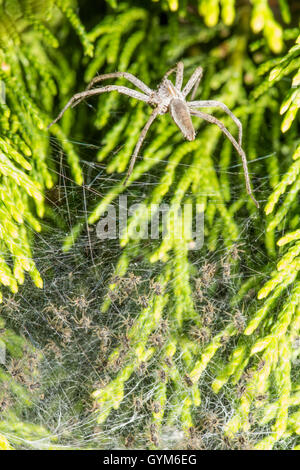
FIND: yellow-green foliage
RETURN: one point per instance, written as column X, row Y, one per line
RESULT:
column 29, row 71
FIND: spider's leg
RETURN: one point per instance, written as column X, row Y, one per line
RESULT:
column 218, row 104
column 193, row 82
column 97, row 91
column 131, row 78
column 128, row 76
column 179, row 75
column 212, row 119
column 194, row 90
column 154, row 114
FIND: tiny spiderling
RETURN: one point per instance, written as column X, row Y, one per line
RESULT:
column 167, row 98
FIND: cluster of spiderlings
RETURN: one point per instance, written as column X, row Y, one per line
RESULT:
column 19, row 379
column 179, row 305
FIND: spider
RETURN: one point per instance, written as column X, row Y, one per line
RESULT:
column 167, row 98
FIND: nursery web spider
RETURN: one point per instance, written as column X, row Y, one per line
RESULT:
column 167, row 98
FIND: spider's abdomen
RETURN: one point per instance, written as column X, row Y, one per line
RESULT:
column 182, row 118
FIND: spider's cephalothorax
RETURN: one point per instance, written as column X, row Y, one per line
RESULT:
column 165, row 93
column 167, row 98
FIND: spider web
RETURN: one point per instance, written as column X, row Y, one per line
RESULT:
column 63, row 321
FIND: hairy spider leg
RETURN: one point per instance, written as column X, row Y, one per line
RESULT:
column 193, row 82
column 195, row 88
column 218, row 104
column 128, row 76
column 153, row 116
column 212, row 119
column 179, row 76
column 96, row 91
